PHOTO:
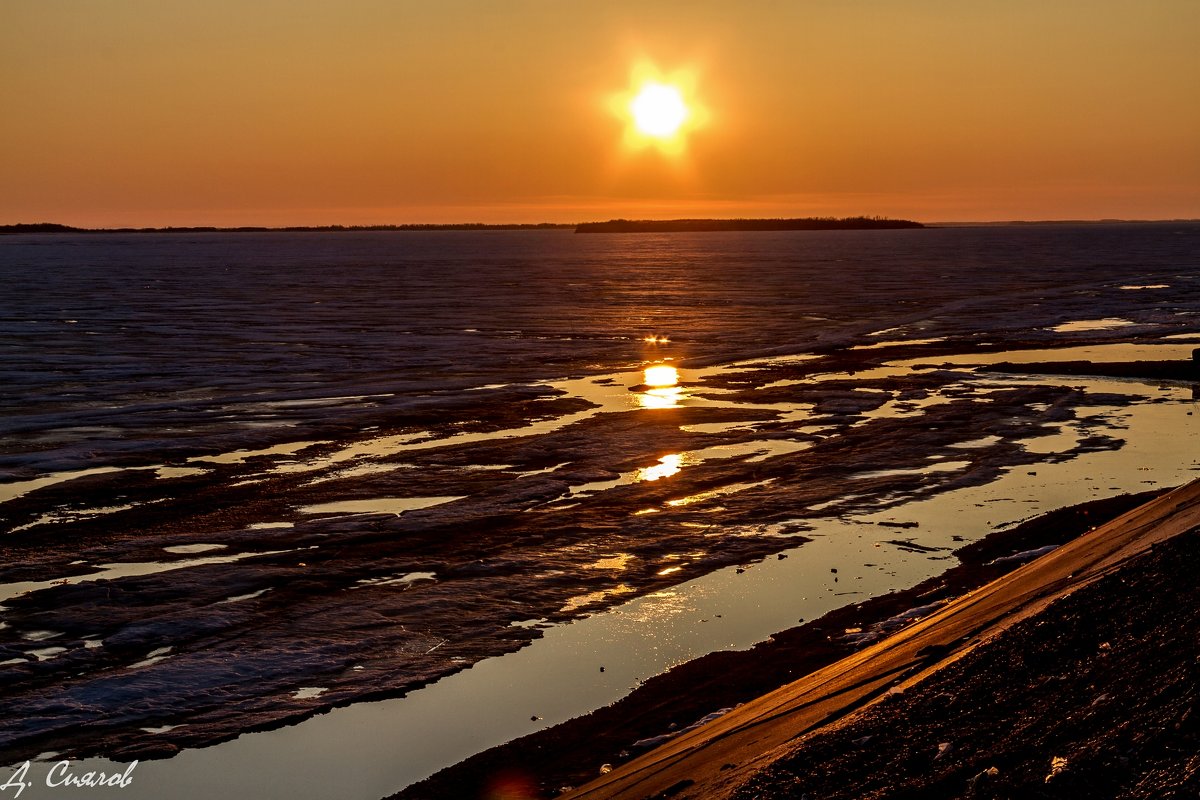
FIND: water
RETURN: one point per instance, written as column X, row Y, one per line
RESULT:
column 448, row 439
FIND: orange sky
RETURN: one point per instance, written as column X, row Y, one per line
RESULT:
column 157, row 112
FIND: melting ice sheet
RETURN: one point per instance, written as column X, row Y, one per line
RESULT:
column 377, row 505
column 1083, row 325
column 369, row 750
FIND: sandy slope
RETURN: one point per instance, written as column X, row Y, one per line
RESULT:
column 714, row 759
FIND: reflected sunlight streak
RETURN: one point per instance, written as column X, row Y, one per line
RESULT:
column 660, row 398
column 667, row 466
column 661, row 390
column 661, row 376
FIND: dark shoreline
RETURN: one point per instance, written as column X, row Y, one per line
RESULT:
column 611, row 226
column 1093, row 697
column 52, row 227
column 753, row 225
column 572, row 753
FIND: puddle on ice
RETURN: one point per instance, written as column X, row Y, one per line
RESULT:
column 757, row 450
column 897, row 343
column 617, row 562
column 975, row 444
column 1099, row 353
column 153, row 657
column 769, row 361
column 1082, row 325
column 595, row 597
column 379, row 447
column 671, row 464
column 11, row 491
column 124, row 570
column 667, row 466
column 945, row 466
column 544, row 471
column 194, row 548
column 718, row 427
column 165, row 473
column 240, row 597
column 404, row 579
column 701, row 497
column 377, row 505
column 73, row 514
column 309, row 692
column 239, row 456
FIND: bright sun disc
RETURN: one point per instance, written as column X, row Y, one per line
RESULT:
column 658, row 110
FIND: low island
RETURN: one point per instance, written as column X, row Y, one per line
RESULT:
column 695, row 225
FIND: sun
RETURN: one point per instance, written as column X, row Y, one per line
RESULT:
column 658, row 110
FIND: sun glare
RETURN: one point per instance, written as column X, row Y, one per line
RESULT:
column 658, row 110
column 661, row 376
column 667, row 466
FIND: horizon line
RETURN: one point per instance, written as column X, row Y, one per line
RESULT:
column 54, row 227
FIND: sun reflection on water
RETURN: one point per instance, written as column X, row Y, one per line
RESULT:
column 661, row 382
column 579, row 601
column 660, row 398
column 660, row 376
column 617, row 562
column 667, row 466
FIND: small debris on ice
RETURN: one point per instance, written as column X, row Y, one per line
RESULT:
column 1058, row 764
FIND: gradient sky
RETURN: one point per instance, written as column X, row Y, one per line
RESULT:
column 158, row 112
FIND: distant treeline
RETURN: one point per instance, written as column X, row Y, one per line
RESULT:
column 690, row 225
column 612, row 226
column 51, row 227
